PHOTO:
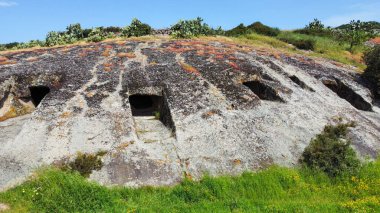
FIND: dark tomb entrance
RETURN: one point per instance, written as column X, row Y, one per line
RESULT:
column 264, row 91
column 145, row 105
column 38, row 93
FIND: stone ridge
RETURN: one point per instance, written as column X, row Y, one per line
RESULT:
column 223, row 109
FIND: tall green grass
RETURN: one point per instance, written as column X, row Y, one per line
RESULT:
column 330, row 48
column 272, row 190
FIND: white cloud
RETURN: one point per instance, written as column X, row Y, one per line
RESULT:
column 363, row 12
column 8, row 3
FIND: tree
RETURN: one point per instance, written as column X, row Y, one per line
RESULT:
column 372, row 60
column 75, row 30
column 315, row 25
column 137, row 28
column 357, row 33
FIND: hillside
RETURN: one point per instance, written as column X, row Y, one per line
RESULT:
column 158, row 108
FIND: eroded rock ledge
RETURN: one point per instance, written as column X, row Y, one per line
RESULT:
column 219, row 108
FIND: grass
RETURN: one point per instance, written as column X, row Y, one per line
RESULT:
column 331, row 49
column 325, row 47
column 272, row 190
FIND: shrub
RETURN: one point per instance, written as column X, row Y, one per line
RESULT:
column 262, row 29
column 11, row 45
column 113, row 29
column 315, row 25
column 356, row 33
column 331, row 153
column 75, row 30
column 301, row 42
column 316, row 28
column 372, row 72
column 256, row 27
column 193, row 28
column 137, row 28
column 237, row 31
column 84, row 163
column 54, row 38
column 97, row 34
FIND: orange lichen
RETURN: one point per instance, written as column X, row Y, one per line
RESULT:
column 83, row 54
column 3, row 58
column 190, row 69
column 7, row 62
column 106, row 53
column 233, row 65
column 127, row 55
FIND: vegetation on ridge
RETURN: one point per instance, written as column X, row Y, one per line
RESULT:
column 344, row 44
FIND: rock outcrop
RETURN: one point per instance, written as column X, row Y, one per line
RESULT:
column 163, row 109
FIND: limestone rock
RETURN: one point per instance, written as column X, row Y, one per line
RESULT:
column 164, row 108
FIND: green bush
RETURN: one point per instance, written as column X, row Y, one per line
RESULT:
column 193, row 28
column 97, row 34
column 301, row 42
column 372, row 72
column 84, row 163
column 113, row 29
column 262, row 29
column 74, row 30
column 356, row 33
column 237, row 31
column 256, row 27
column 331, row 153
column 55, row 38
column 137, row 28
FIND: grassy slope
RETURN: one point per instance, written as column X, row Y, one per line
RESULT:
column 331, row 49
column 275, row 189
column 325, row 47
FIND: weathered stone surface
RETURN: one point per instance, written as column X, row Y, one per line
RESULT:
column 211, row 122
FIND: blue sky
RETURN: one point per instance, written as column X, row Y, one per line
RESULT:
column 23, row 20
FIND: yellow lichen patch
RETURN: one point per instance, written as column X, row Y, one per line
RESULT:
column 123, row 146
column 190, row 69
column 11, row 113
column 13, row 108
column 127, row 55
column 237, row 162
column 65, row 115
column 90, row 94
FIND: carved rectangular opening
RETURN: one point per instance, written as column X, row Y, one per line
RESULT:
column 145, row 105
column 300, row 83
column 38, row 93
column 345, row 92
column 152, row 117
column 264, row 91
